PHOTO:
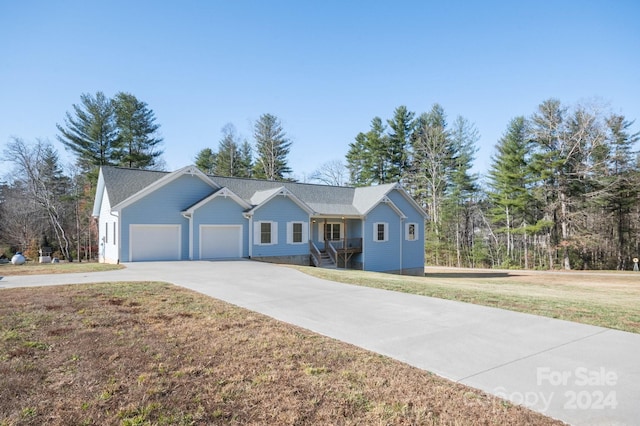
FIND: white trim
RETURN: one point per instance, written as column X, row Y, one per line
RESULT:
column 304, row 239
column 416, row 233
column 224, row 192
column 321, row 230
column 285, row 193
column 190, row 170
column 385, row 232
column 257, row 233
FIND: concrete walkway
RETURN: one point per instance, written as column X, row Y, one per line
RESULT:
column 581, row 374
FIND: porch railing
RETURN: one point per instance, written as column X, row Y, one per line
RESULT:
column 333, row 254
column 315, row 254
column 349, row 245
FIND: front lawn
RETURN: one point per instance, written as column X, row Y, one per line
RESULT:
column 607, row 299
column 153, row 353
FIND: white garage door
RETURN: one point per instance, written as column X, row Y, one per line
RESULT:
column 220, row 241
column 155, row 242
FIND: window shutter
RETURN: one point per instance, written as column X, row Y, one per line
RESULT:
column 274, row 232
column 386, row 231
column 305, row 232
column 289, row 232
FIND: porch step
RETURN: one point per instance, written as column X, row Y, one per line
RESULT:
column 326, row 262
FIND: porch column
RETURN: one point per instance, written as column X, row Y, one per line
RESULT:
column 344, row 242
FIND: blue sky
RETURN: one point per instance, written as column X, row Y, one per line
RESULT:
column 325, row 68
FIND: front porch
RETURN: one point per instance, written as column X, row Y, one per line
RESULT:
column 336, row 242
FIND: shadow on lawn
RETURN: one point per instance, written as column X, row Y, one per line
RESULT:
column 474, row 274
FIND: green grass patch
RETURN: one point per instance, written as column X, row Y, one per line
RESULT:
column 609, row 300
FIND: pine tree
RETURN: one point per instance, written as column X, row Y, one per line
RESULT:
column 357, row 161
column 509, row 181
column 399, row 139
column 206, row 161
column 228, row 158
column 136, row 145
column 462, row 188
column 272, row 147
column 91, row 133
column 245, row 162
column 619, row 184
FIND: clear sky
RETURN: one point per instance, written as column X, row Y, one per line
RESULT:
column 324, row 67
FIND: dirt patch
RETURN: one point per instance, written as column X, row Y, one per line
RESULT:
column 151, row 353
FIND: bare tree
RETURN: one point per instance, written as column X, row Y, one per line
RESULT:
column 21, row 221
column 37, row 169
column 332, row 172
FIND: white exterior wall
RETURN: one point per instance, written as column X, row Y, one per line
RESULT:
column 108, row 248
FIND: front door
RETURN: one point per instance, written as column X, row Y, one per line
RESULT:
column 331, row 232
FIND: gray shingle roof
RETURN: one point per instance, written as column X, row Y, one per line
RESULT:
column 123, row 183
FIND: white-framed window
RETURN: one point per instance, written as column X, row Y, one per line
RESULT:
column 106, row 232
column 333, row 231
column 297, row 233
column 114, row 232
column 411, row 231
column 265, row 233
column 380, row 232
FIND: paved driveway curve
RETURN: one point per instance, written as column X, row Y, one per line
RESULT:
column 578, row 373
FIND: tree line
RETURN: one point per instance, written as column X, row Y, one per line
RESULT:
column 560, row 192
column 42, row 205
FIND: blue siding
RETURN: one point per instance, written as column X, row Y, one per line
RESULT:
column 281, row 210
column 412, row 251
column 382, row 256
column 220, row 211
column 164, row 206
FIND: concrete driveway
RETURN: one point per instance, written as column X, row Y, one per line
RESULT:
column 577, row 373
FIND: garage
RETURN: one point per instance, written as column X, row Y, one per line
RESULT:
column 155, row 242
column 220, row 241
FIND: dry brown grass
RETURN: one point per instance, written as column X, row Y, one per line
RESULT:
column 151, row 353
column 34, row 268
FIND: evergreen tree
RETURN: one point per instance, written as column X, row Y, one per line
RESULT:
column 137, row 141
column 272, row 147
column 357, row 161
column 206, row 161
column 228, row 158
column 377, row 166
column 619, row 188
column 458, row 209
column 91, row 132
column 428, row 178
column 245, row 161
column 401, row 129
column 509, row 181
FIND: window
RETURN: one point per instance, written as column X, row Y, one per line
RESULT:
column 114, row 232
column 297, row 232
column 411, row 231
column 106, row 233
column 332, row 231
column 265, row 233
column 380, row 231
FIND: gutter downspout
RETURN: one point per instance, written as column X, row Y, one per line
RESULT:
column 250, row 217
column 364, row 238
column 401, row 226
column 189, row 216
